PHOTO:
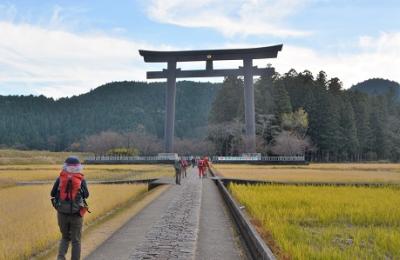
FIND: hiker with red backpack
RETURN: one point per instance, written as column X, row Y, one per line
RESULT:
column 68, row 197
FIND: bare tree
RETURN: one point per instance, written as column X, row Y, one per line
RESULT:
column 101, row 143
column 146, row 144
column 287, row 143
column 194, row 147
column 227, row 138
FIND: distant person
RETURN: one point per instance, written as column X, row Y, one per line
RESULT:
column 206, row 166
column 200, row 166
column 184, row 165
column 193, row 162
column 68, row 197
column 178, row 172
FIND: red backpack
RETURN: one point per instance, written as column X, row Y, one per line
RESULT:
column 70, row 199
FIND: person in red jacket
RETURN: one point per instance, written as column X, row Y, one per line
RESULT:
column 201, row 166
column 68, row 197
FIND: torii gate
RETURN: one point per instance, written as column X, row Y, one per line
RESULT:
column 248, row 71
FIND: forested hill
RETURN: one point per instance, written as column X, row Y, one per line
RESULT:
column 43, row 123
column 298, row 112
column 378, row 87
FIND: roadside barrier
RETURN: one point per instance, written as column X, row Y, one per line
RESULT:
column 255, row 244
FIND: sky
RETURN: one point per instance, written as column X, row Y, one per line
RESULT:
column 61, row 48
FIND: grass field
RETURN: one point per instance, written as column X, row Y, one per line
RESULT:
column 10, row 157
column 10, row 174
column 28, row 221
column 372, row 173
column 314, row 222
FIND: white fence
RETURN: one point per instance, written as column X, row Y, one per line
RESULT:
column 129, row 158
column 297, row 158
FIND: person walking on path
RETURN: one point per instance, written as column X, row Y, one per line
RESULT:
column 68, row 197
column 200, row 166
column 193, row 162
column 184, row 165
column 178, row 172
column 206, row 166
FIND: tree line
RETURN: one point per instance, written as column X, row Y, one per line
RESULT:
column 299, row 113
column 296, row 113
column 37, row 122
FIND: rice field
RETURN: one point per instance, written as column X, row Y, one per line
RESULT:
column 28, row 222
column 325, row 222
column 10, row 157
column 10, row 174
column 351, row 173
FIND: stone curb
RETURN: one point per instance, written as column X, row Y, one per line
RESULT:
column 255, row 244
column 227, row 181
column 151, row 183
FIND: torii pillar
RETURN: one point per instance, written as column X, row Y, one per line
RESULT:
column 170, row 95
column 249, row 107
column 247, row 71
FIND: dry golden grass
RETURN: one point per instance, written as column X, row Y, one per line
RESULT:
column 9, row 174
column 95, row 235
column 371, row 173
column 314, row 222
column 9, row 157
column 28, row 221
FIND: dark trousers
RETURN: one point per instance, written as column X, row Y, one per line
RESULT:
column 178, row 177
column 71, row 230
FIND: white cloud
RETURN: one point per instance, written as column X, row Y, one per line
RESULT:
column 231, row 18
column 376, row 57
column 58, row 63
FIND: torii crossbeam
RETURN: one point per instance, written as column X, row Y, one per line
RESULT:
column 247, row 71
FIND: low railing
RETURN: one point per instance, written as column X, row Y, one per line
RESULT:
column 297, row 158
column 98, row 159
column 106, row 159
column 128, row 158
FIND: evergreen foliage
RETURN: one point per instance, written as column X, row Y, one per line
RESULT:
column 43, row 123
column 327, row 122
column 343, row 125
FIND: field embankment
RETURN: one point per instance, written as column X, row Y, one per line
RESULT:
column 350, row 173
column 18, row 157
column 11, row 174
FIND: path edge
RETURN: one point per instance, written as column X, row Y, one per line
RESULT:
column 256, row 246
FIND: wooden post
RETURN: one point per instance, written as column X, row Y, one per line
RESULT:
column 249, row 108
column 170, row 107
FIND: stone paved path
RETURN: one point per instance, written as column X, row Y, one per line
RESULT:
column 188, row 221
column 175, row 235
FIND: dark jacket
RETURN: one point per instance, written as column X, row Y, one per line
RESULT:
column 55, row 192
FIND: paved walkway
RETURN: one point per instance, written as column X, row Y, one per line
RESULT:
column 188, row 221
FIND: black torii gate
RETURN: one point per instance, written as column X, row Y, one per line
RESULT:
column 248, row 71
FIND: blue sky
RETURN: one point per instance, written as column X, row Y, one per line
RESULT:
column 63, row 48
